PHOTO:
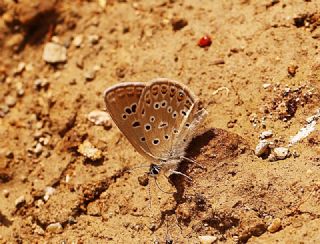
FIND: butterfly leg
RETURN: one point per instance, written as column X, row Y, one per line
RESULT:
column 192, row 161
column 179, row 173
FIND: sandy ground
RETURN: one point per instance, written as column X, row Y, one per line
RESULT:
column 260, row 73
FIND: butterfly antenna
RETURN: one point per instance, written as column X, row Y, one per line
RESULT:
column 137, row 167
column 155, row 180
column 150, row 201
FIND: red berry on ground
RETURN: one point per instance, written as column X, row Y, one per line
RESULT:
column 204, row 41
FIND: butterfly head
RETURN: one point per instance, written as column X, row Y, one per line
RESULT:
column 154, row 170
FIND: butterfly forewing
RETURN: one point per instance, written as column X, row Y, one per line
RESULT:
column 122, row 103
column 164, row 108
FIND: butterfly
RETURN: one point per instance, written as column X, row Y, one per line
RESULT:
column 159, row 118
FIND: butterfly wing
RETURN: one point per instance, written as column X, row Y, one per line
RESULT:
column 122, row 102
column 166, row 108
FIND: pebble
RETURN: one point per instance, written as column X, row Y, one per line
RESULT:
column 19, row 89
column 38, row 230
column 40, row 83
column 207, row 239
column 54, row 53
column 77, row 41
column 20, row 201
column 99, row 117
column 102, row 3
column 48, row 192
column 262, row 147
column 4, row 108
column 5, row 193
column 275, row 225
column 90, row 75
column 265, row 134
column 266, row 85
column 55, row 228
column 38, row 149
column 10, row 101
column 93, row 39
column 20, row 68
column 281, row 152
column 89, row 151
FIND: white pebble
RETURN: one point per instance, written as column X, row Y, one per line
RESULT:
column 281, row 152
column 207, row 239
column 54, row 228
column 262, row 147
column 265, row 134
column 48, row 193
column 54, row 53
column 99, row 117
column 93, row 39
column 19, row 201
column 266, row 85
column 77, row 41
column 38, row 149
column 89, row 151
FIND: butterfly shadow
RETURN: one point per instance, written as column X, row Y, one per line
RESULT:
column 179, row 181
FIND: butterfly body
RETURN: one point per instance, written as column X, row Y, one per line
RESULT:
column 159, row 118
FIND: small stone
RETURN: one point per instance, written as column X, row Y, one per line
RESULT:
column 5, row 193
column 292, row 69
column 275, row 225
column 90, row 75
column 99, row 117
column 10, row 101
column 266, row 85
column 48, row 192
column 10, row 155
column 19, row 89
column 89, row 151
column 262, row 147
column 38, row 149
column 55, row 228
column 178, row 23
column 20, row 201
column 207, row 239
column 54, row 53
column 77, row 41
column 20, row 68
column 265, row 134
column 143, row 180
column 102, row 3
column 40, row 83
column 281, row 152
column 38, row 230
column 4, row 108
column 93, row 39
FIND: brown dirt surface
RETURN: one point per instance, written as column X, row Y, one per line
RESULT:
column 260, row 73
